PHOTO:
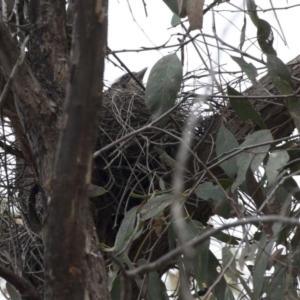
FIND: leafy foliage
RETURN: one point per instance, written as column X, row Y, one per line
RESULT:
column 163, row 86
column 241, row 162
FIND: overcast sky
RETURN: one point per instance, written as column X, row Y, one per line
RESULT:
column 129, row 28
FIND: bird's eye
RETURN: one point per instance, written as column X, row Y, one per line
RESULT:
column 124, row 80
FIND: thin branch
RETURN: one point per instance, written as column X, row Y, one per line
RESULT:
column 169, row 257
column 13, row 73
column 11, row 150
column 26, row 290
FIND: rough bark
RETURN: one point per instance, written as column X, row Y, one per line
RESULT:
column 49, row 49
column 36, row 111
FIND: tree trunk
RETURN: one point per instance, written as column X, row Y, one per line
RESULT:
column 74, row 265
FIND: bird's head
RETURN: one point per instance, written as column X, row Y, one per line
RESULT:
column 128, row 83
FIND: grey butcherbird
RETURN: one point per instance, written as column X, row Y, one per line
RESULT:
column 130, row 81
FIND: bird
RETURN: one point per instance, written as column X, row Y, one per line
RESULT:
column 125, row 101
column 130, row 82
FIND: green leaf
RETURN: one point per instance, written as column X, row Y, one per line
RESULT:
column 225, row 183
column 220, row 206
column 166, row 159
column 155, row 206
column 12, row 292
column 126, row 229
column 281, row 200
column 248, row 68
column 116, row 290
column 251, row 6
column 252, row 157
column 207, row 191
column 281, row 283
column 242, row 37
column 175, row 20
column 265, row 34
column 162, row 86
column 261, row 262
column 232, row 271
column 220, row 288
column 229, row 294
column 94, row 191
column 171, row 238
column 281, row 77
column 277, row 160
column 162, row 184
column 173, row 5
column 226, row 238
column 292, row 187
column 154, row 288
column 200, row 261
column 265, row 37
column 246, row 287
column 244, row 108
column 282, row 80
column 225, row 143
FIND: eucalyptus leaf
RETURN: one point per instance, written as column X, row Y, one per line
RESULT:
column 277, row 160
column 171, row 238
column 227, row 238
column 173, row 5
column 252, row 157
column 116, row 290
column 212, row 274
column 244, row 108
column 162, row 184
column 251, row 7
column 175, row 20
column 243, row 34
column 155, row 206
column 215, row 197
column 126, row 230
column 162, row 86
column 200, row 265
column 265, row 37
column 261, row 263
column 94, row 191
column 226, row 142
column 228, row 294
column 248, row 68
column 265, row 34
column 282, row 80
column 155, row 289
column 231, row 271
column 280, row 75
column 281, row 203
column 280, row 284
column 12, row 292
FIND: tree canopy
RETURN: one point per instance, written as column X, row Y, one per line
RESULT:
column 181, row 187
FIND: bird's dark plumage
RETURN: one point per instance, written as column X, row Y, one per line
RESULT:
column 127, row 81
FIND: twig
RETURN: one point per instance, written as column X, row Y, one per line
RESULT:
column 13, row 73
column 169, row 257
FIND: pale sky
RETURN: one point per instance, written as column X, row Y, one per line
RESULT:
column 133, row 30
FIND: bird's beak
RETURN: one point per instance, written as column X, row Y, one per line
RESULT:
column 140, row 74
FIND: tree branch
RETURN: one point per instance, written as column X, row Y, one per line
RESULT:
column 11, row 150
column 25, row 288
column 169, row 257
